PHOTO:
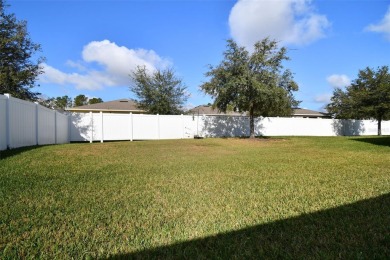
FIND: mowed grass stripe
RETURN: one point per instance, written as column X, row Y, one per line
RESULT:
column 123, row 198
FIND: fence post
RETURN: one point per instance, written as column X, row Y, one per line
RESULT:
column 101, row 118
column 91, row 127
column 131, row 126
column 7, row 121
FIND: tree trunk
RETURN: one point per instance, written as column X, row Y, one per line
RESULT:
column 251, row 124
column 380, row 126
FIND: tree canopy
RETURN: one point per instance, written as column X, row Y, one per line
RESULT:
column 18, row 69
column 63, row 102
column 158, row 92
column 94, row 100
column 368, row 97
column 80, row 100
column 252, row 82
column 59, row 103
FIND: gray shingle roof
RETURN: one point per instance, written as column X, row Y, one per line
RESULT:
column 308, row 112
column 209, row 110
column 120, row 105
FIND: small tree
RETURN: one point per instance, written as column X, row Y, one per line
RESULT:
column 367, row 97
column 80, row 100
column 253, row 83
column 158, row 92
column 18, row 70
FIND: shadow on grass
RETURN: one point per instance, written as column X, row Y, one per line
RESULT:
column 355, row 231
column 378, row 140
column 12, row 152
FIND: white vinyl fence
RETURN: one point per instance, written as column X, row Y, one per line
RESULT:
column 218, row 126
column 108, row 126
column 23, row 123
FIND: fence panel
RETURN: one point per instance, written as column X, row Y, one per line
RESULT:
column 367, row 127
column 96, row 129
column 116, row 126
column 145, row 127
column 191, row 126
column 280, row 126
column 225, row 126
column 22, row 123
column 81, row 127
column 171, row 127
column 46, row 126
column 386, row 127
column 62, row 128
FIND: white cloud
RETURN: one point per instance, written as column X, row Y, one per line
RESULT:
column 323, row 98
column 76, row 65
column 338, row 81
column 288, row 21
column 116, row 63
column 92, row 80
column 383, row 26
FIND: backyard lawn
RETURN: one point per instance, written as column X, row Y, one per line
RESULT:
column 292, row 197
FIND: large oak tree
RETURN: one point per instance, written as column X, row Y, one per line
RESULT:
column 252, row 82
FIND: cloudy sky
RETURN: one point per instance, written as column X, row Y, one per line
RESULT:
column 91, row 46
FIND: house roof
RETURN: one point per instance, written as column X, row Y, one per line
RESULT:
column 308, row 113
column 209, row 110
column 120, row 105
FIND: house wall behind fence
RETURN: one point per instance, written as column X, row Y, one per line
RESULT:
column 100, row 127
column 24, row 123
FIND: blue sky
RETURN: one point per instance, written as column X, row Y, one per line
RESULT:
column 91, row 46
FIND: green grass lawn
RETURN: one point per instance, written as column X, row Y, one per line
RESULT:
column 294, row 197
